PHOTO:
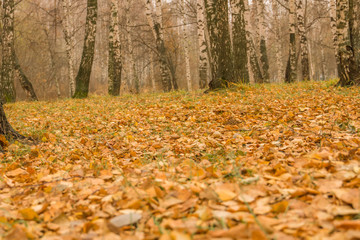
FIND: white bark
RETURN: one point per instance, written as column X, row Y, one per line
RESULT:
column 334, row 28
column 254, row 68
column 248, row 37
column 68, row 30
column 203, row 58
column 186, row 47
column 166, row 67
column 132, row 76
column 304, row 51
column 152, row 72
column 115, row 63
column 159, row 18
column 291, row 75
column 278, row 48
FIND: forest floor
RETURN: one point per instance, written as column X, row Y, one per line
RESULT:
column 253, row 162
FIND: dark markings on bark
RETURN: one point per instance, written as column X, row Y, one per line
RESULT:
column 219, row 44
column 83, row 77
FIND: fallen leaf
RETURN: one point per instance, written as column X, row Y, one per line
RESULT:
column 28, row 214
column 225, row 194
column 17, row 172
column 347, row 224
column 129, row 218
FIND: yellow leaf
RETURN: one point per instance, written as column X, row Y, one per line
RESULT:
column 225, row 194
column 3, row 220
column 3, row 141
column 198, row 173
column 280, row 207
column 175, row 235
column 28, row 214
column 47, row 189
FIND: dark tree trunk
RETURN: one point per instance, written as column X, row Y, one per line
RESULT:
column 239, row 41
column 219, row 43
column 347, row 22
column 264, row 60
column 83, row 76
column 5, row 127
column 166, row 65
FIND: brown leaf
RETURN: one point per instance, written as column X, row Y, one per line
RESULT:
column 348, row 195
column 17, row 172
column 17, row 233
column 347, row 224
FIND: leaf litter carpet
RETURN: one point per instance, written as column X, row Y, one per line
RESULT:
column 255, row 162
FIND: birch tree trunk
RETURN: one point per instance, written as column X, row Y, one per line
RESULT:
column 132, row 74
column 304, row 51
column 168, row 60
column 11, row 68
column 7, row 88
column 278, row 48
column 185, row 42
column 291, row 69
column 354, row 24
column 323, row 63
column 152, row 72
column 253, row 62
column 255, row 24
column 334, row 28
column 239, row 41
column 115, row 65
column 348, row 67
column 219, row 43
column 167, row 69
column 82, row 80
column 203, row 58
column 263, row 50
column 68, row 31
column 5, row 128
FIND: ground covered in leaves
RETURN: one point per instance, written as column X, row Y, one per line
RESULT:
column 254, row 162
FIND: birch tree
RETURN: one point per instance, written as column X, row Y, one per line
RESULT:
column 82, row 79
column 239, row 40
column 7, row 88
column 354, row 24
column 348, row 68
column 114, row 63
column 68, row 30
column 277, row 36
column 253, row 62
column 263, row 50
column 133, row 78
column 220, row 43
column 334, row 28
column 203, row 58
column 152, row 72
column 185, row 43
column 304, row 51
column 167, row 69
column 291, row 69
column 11, row 68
